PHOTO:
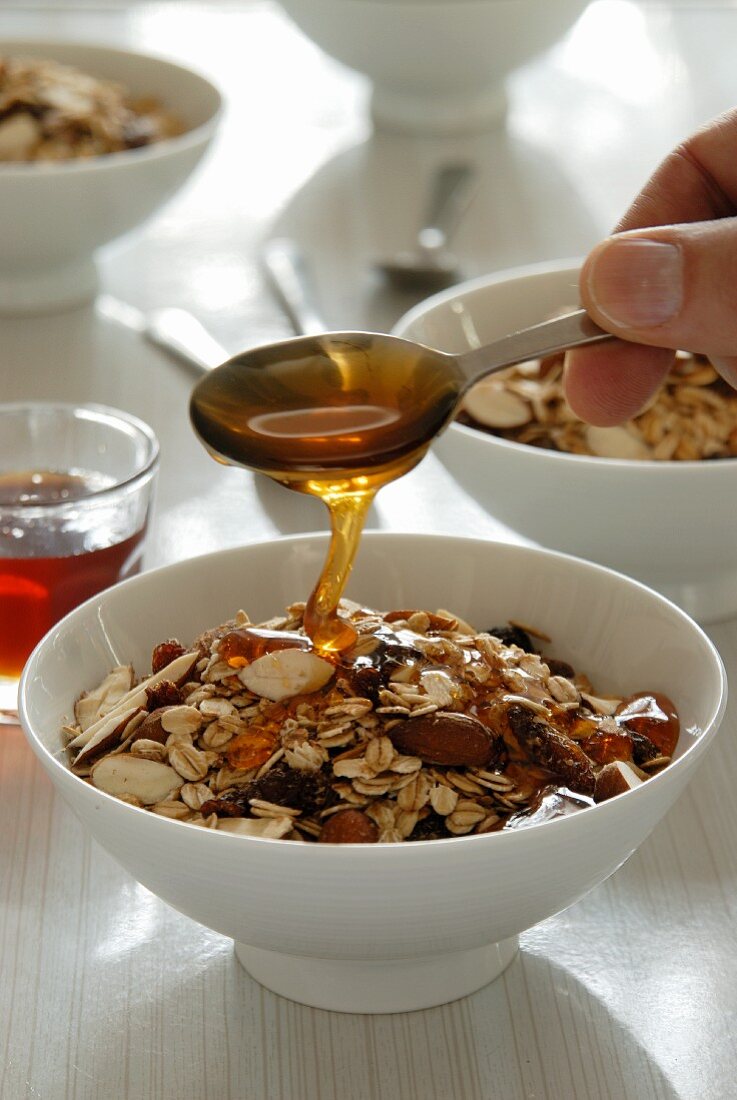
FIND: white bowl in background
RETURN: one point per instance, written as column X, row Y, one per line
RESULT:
column 435, row 65
column 669, row 524
column 381, row 927
column 55, row 215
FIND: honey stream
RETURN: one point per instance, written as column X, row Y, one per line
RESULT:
column 338, row 423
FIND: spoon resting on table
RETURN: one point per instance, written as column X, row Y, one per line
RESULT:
column 430, row 265
column 339, row 415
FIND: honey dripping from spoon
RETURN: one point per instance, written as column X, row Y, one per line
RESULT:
column 340, row 415
column 338, row 422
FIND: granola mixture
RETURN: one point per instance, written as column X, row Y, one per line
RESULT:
column 51, row 112
column 425, row 729
column 693, row 415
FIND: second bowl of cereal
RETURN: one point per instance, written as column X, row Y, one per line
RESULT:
column 93, row 140
column 374, row 831
column 649, row 498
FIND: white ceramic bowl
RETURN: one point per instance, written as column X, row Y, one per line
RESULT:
column 669, row 524
column 381, row 928
column 435, row 65
column 54, row 216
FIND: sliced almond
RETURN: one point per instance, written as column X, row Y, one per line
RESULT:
column 492, row 404
column 286, row 672
column 613, row 779
column 106, row 738
column 615, row 442
column 97, row 703
column 137, row 697
column 147, row 780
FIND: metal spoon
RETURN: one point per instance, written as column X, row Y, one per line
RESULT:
column 329, row 398
column 181, row 334
column 430, row 265
column 286, row 271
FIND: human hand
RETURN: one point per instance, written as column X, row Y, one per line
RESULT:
column 666, row 279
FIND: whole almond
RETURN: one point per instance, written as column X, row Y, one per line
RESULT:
column 444, row 738
column 349, row 827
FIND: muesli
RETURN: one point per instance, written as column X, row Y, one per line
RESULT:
column 693, row 415
column 53, row 112
column 425, row 729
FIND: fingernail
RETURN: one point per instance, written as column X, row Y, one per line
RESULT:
column 635, row 282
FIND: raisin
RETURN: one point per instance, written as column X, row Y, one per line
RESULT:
column 430, row 827
column 165, row 653
column 553, row 750
column 282, row 785
column 513, row 635
column 164, row 694
column 560, row 668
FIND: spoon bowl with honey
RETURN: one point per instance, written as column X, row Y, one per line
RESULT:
column 338, row 415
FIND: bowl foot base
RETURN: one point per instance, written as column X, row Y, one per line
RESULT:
column 394, row 985
column 712, row 599
column 437, row 115
column 47, row 291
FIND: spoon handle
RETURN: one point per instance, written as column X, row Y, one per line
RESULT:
column 182, row 335
column 286, row 272
column 448, row 196
column 569, row 331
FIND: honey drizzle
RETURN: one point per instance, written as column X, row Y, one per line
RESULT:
column 337, row 424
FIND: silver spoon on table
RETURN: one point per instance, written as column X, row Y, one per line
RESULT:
column 430, row 265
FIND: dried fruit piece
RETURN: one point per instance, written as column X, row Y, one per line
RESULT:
column 165, row 694
column 652, row 715
column 513, row 635
column 447, row 738
column 553, row 750
column 165, row 653
column 147, row 780
column 349, row 827
column 308, row 792
column 285, row 673
column 613, row 779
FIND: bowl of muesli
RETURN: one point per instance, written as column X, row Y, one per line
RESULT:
column 93, row 141
column 647, row 497
column 374, row 830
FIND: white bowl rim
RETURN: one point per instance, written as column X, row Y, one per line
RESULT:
column 154, row 151
column 706, row 734
column 570, row 266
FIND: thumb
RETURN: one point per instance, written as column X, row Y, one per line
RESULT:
column 670, row 287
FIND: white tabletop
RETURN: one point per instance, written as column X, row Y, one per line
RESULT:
column 105, row 992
